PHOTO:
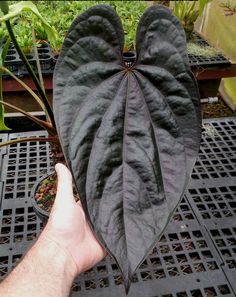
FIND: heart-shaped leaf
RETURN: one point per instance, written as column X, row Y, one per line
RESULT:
column 130, row 135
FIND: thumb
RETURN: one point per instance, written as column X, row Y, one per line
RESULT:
column 64, row 185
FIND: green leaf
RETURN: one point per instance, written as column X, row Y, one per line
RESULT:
column 184, row 9
column 202, row 4
column 3, row 53
column 3, row 127
column 4, row 6
column 25, row 6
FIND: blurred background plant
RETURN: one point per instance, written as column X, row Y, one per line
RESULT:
column 60, row 14
column 218, row 26
column 3, row 33
column 24, row 38
column 200, row 50
column 25, row 17
column 17, row 12
column 188, row 12
column 229, row 8
column 162, row 2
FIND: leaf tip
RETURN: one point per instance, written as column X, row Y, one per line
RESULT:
column 3, row 127
column 127, row 284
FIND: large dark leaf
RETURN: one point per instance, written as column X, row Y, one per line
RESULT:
column 130, row 135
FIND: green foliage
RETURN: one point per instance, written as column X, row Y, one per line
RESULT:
column 26, row 16
column 3, row 53
column 187, row 12
column 15, row 10
column 4, row 7
column 228, row 8
column 24, row 44
column 3, row 33
column 199, row 50
column 56, row 46
column 40, row 31
column 60, row 15
column 24, row 37
column 130, row 13
column 202, row 4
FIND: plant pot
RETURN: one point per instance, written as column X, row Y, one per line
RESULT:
column 41, row 213
column 54, row 58
column 188, row 31
column 129, row 57
column 14, row 63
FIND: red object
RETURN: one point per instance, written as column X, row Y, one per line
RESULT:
column 215, row 72
column 10, row 85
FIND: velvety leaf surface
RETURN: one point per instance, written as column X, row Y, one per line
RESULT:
column 130, row 135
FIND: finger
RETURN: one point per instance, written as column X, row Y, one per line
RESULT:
column 64, row 185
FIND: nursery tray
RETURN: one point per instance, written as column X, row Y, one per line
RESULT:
column 217, row 156
column 196, row 61
column 14, row 63
column 3, row 138
column 196, row 256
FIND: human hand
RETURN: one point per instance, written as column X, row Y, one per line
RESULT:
column 68, row 227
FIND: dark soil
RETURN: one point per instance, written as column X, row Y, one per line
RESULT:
column 46, row 193
column 216, row 110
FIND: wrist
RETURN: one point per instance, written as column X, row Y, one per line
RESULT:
column 54, row 257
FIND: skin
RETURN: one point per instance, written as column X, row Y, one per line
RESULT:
column 65, row 248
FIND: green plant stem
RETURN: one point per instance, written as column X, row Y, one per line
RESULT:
column 37, row 60
column 32, row 74
column 2, row 123
column 2, row 58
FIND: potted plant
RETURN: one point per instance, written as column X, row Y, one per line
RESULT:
column 187, row 12
column 203, row 58
column 3, row 34
column 56, row 46
column 41, row 34
column 41, row 97
column 229, row 8
column 24, row 38
column 130, row 135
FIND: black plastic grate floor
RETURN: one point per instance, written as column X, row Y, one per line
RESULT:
column 197, row 60
column 217, row 157
column 196, row 255
column 214, row 202
column 3, row 138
